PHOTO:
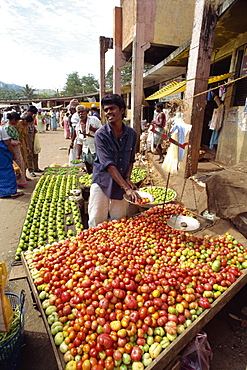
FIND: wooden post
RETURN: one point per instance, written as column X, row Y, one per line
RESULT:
column 119, row 59
column 197, row 76
column 138, row 49
column 105, row 44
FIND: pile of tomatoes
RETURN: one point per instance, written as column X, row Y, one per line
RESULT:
column 118, row 294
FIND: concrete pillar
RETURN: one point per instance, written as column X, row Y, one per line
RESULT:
column 119, row 59
column 138, row 49
column 105, row 44
column 197, row 76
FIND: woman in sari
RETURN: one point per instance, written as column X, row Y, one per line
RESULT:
column 53, row 120
column 8, row 184
column 40, row 121
column 22, row 128
column 11, row 129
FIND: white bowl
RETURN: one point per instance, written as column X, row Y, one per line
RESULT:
column 183, row 223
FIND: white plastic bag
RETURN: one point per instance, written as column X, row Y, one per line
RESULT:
column 36, row 144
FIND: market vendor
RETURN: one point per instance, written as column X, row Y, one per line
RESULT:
column 115, row 154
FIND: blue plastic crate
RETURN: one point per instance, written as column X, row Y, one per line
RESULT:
column 10, row 352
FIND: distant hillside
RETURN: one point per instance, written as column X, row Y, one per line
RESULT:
column 4, row 86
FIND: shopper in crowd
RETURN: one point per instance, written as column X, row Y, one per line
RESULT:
column 85, row 131
column 115, row 154
column 159, row 125
column 66, row 126
column 32, row 157
column 8, row 184
column 53, row 120
column 22, row 127
column 40, row 121
column 47, row 120
column 11, row 129
column 73, row 120
column 95, row 112
column 57, row 116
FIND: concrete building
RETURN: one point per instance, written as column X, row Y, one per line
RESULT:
column 159, row 32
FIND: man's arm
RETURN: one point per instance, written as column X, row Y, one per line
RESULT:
column 73, row 136
column 79, row 150
column 123, row 183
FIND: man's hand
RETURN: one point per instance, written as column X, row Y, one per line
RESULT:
column 131, row 184
column 71, row 145
column 133, row 195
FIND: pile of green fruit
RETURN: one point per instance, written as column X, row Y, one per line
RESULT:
column 86, row 179
column 51, row 211
column 138, row 174
column 159, row 193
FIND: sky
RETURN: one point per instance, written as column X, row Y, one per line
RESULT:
column 43, row 41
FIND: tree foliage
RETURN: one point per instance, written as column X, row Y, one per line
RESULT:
column 126, row 74
column 9, row 94
column 28, row 92
column 84, row 85
column 109, row 79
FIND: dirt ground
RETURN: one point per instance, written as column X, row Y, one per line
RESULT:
column 227, row 338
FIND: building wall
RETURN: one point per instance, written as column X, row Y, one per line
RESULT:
column 232, row 147
column 173, row 21
column 166, row 22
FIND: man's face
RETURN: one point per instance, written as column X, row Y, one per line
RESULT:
column 82, row 113
column 113, row 113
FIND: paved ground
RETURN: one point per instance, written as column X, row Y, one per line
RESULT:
column 227, row 338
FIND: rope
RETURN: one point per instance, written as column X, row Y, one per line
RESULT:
column 215, row 88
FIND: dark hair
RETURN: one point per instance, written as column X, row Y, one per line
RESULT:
column 113, row 99
column 32, row 109
column 28, row 118
column 159, row 105
column 13, row 115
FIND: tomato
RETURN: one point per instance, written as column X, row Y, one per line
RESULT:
column 136, row 353
column 130, row 302
column 109, row 363
column 143, row 312
column 86, row 365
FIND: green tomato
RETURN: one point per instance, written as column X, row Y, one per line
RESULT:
column 58, row 338
column 126, row 359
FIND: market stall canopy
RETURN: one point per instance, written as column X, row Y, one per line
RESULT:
column 57, row 106
column 90, row 104
column 2, row 106
column 169, row 89
column 177, row 87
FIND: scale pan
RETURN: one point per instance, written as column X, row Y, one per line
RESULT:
column 183, row 223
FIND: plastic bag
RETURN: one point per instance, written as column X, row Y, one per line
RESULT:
column 36, row 144
column 6, row 311
column 197, row 354
column 170, row 163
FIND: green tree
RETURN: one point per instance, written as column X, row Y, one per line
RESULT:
column 9, row 94
column 126, row 74
column 84, row 85
column 90, row 84
column 28, row 92
column 73, row 85
column 109, row 79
